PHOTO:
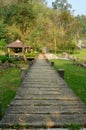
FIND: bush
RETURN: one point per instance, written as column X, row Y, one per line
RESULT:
column 3, row 59
column 32, row 54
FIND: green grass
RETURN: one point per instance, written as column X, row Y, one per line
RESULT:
column 80, row 53
column 72, row 127
column 9, row 83
column 75, row 76
column 77, row 53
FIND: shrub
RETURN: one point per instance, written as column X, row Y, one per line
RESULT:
column 3, row 59
column 32, row 54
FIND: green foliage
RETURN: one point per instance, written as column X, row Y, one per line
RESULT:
column 73, row 127
column 39, row 26
column 67, row 45
column 19, row 14
column 61, row 5
column 82, row 22
column 4, row 59
column 3, row 32
column 32, row 54
column 2, row 44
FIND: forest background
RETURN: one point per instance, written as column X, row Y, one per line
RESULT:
column 37, row 25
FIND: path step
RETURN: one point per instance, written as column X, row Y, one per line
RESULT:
column 45, row 129
column 47, row 103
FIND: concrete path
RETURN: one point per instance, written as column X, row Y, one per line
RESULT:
column 44, row 101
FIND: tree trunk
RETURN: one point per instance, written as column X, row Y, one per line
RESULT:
column 55, row 45
column 23, row 48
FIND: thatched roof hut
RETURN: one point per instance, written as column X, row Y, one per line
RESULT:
column 17, row 46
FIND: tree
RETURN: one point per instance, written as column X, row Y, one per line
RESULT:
column 61, row 5
column 3, row 31
column 41, row 26
column 36, row 34
column 82, row 22
column 19, row 14
column 68, row 24
column 2, row 44
column 3, row 36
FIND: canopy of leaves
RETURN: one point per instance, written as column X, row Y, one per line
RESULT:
column 82, row 21
column 61, row 5
column 3, row 31
column 38, row 25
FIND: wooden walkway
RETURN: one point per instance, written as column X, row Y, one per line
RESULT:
column 44, row 101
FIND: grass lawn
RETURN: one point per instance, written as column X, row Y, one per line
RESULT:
column 80, row 53
column 9, row 83
column 75, row 76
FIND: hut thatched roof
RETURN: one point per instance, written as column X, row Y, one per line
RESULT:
column 17, row 44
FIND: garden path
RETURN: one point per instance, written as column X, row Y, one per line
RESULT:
column 44, row 101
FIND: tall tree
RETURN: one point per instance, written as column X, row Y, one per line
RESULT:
column 82, row 21
column 41, row 26
column 19, row 14
column 3, row 35
column 61, row 5
column 3, row 31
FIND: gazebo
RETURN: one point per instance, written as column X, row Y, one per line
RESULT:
column 17, row 47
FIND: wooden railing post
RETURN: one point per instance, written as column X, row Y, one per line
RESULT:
column 61, row 72
column 23, row 73
column 52, row 63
